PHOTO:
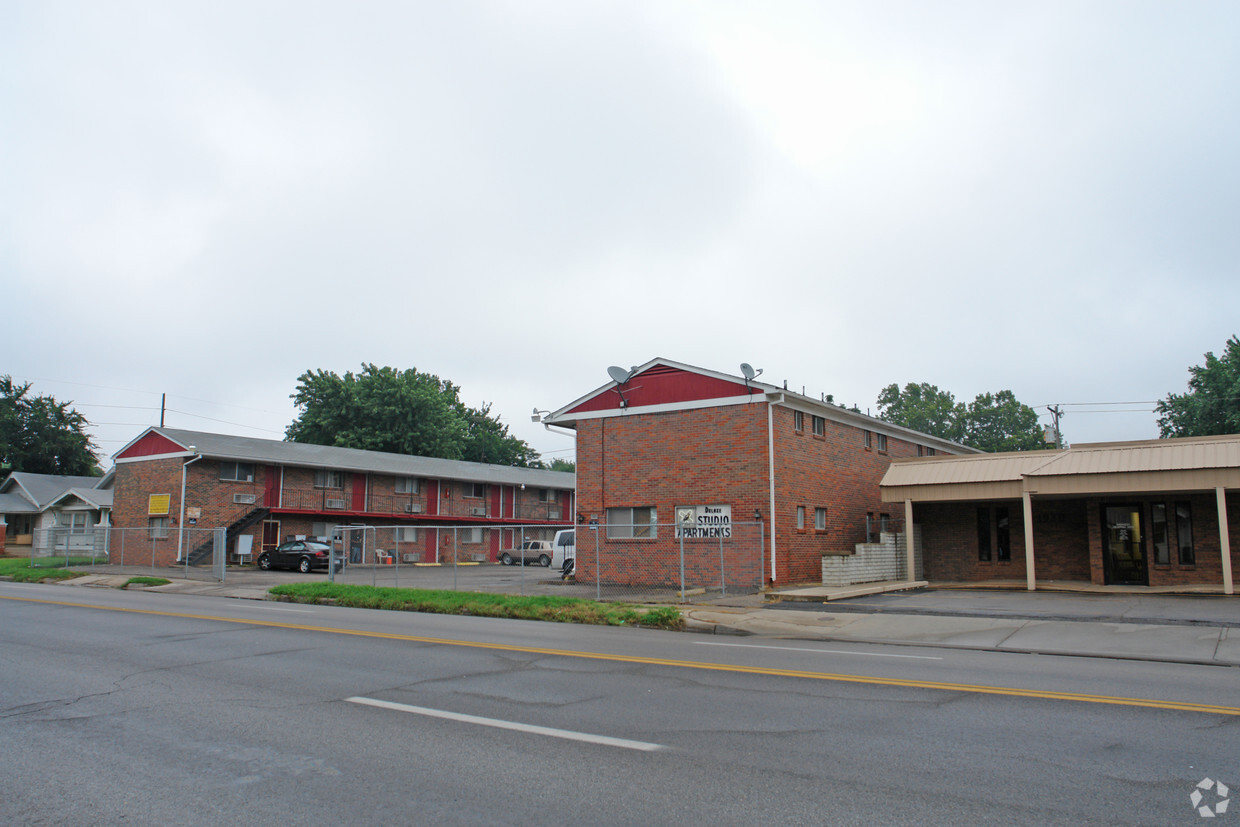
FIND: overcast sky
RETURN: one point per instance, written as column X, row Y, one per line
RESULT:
column 206, row 199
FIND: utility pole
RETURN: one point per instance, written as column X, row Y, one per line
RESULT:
column 1056, row 413
column 162, row 398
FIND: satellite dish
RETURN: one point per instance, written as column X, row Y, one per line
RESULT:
column 619, row 375
column 748, row 372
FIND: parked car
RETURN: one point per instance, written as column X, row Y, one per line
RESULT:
column 531, row 552
column 564, row 555
column 303, row 555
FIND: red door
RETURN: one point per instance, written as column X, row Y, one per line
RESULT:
column 271, row 490
column 271, row 534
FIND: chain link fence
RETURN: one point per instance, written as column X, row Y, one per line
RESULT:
column 92, row 548
column 604, row 562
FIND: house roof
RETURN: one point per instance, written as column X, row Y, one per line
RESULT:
column 41, row 489
column 96, row 498
column 1190, row 464
column 277, row 452
column 713, row 388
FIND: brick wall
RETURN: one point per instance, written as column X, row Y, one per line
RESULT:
column 710, row 456
column 1068, row 541
column 719, row 456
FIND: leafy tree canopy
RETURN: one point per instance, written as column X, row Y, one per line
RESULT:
column 923, row 407
column 1212, row 403
column 39, row 435
column 999, row 422
column 991, row 422
column 563, row 465
column 402, row 412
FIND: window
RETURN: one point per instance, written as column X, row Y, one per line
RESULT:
column 1160, row 537
column 929, row 452
column 983, row 535
column 798, row 421
column 477, row 490
column 1003, row 535
column 158, row 527
column 407, row 534
column 547, row 495
column 820, row 426
column 884, row 522
column 641, row 522
column 869, row 526
column 800, row 518
column 1184, row 533
column 882, row 443
column 866, row 439
column 406, row 485
column 237, row 471
column 328, row 479
column 820, row 519
column 322, row 531
column 75, row 521
column 921, row 452
column 470, row 535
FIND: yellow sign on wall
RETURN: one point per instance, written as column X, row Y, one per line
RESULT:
column 159, row 505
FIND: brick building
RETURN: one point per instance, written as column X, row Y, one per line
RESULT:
column 267, row 490
column 1157, row 513
column 796, row 477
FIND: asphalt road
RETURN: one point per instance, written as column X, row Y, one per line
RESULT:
column 123, row 707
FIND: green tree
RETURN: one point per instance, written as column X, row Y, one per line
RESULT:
column 923, row 407
column 999, row 422
column 39, row 435
column 1212, row 403
column 402, row 412
column 487, row 440
column 564, row 465
column 991, row 422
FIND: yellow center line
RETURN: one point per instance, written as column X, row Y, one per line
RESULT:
column 1009, row 691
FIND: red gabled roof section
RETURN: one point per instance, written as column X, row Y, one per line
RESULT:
column 151, row 444
column 662, row 385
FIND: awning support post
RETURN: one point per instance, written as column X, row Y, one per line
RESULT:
column 1224, row 537
column 1027, row 503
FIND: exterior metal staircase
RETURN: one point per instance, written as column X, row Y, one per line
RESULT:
column 204, row 551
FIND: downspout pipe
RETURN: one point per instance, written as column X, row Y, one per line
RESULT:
column 772, row 399
column 181, row 524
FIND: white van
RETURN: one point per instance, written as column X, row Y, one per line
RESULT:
column 564, row 549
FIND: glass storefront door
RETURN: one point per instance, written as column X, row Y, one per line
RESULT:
column 1123, row 546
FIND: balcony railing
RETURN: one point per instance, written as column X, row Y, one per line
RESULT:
column 413, row 505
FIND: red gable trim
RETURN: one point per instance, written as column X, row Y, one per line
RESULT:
column 662, row 385
column 150, row 445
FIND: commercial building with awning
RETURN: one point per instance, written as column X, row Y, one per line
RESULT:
column 1157, row 513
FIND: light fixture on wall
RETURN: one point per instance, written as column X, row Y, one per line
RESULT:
column 757, row 515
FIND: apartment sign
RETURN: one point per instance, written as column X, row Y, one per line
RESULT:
column 703, row 522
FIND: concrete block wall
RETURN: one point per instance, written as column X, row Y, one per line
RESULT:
column 874, row 562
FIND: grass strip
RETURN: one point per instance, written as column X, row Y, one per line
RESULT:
column 25, row 570
column 551, row 608
column 146, row 581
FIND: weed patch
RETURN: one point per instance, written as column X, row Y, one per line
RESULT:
column 547, row 608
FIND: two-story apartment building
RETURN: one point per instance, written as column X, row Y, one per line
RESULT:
column 268, row 490
column 803, row 473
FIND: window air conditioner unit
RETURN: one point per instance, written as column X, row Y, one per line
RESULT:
column 335, row 503
column 411, row 557
column 479, row 511
column 413, row 508
column 555, row 514
column 246, row 499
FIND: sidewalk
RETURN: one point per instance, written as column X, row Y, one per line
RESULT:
column 1193, row 629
